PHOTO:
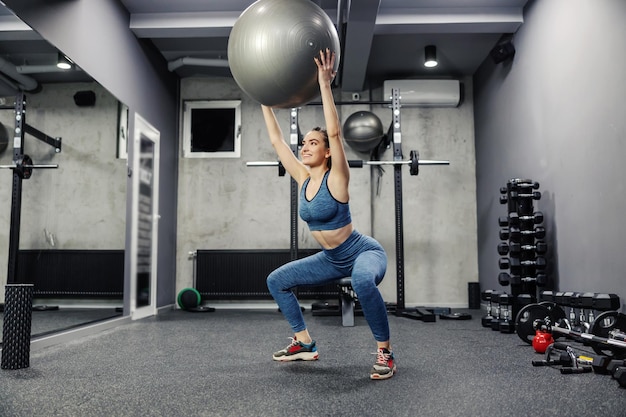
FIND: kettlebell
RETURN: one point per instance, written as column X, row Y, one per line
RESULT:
column 541, row 341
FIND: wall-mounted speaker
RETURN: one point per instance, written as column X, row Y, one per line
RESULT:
column 503, row 51
column 85, row 98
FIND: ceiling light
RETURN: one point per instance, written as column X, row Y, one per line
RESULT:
column 430, row 56
column 63, row 62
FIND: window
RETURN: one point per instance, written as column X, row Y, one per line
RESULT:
column 212, row 129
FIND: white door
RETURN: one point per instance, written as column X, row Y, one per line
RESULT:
column 145, row 219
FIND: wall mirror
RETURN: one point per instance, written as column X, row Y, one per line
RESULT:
column 73, row 213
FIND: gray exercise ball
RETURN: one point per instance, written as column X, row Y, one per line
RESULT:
column 363, row 131
column 271, row 49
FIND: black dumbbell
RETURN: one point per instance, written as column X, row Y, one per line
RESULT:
column 525, row 299
column 568, row 299
column 503, row 248
column 535, row 195
column 495, row 310
column 524, row 184
column 486, row 296
column 515, row 218
column 502, row 300
column 585, row 304
column 507, row 323
column 504, row 263
column 600, row 364
column 620, row 375
column 516, row 263
column 542, row 280
column 517, row 248
column 548, row 296
column 605, row 302
column 614, row 365
column 506, row 279
column 539, row 262
column 516, row 233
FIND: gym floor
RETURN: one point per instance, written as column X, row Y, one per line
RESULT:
column 219, row 364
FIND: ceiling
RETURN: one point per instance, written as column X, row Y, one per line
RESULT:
column 381, row 39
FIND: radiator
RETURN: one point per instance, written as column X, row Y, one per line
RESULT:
column 58, row 273
column 241, row 274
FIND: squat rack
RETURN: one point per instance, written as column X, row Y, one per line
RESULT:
column 19, row 295
column 397, row 162
column 22, row 170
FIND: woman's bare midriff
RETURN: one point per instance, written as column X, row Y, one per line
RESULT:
column 330, row 239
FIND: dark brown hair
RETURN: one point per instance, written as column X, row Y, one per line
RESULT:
column 326, row 141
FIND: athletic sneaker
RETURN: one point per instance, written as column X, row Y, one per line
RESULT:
column 385, row 365
column 297, row 351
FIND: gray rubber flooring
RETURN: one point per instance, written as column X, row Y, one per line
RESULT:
column 219, row 364
column 46, row 322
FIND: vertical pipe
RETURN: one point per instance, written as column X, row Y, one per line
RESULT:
column 293, row 141
column 16, row 197
column 397, row 170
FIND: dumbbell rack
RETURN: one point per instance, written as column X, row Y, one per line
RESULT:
column 521, row 248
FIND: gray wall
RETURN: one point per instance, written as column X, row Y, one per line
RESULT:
column 556, row 115
column 96, row 36
column 225, row 205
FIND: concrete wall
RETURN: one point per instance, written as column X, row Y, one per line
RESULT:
column 556, row 114
column 225, row 205
column 82, row 204
column 96, row 36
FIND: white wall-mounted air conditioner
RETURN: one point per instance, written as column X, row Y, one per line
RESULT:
column 425, row 93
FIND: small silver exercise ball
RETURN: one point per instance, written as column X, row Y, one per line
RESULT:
column 363, row 131
column 271, row 49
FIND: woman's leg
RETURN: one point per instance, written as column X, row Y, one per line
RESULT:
column 312, row 270
column 368, row 271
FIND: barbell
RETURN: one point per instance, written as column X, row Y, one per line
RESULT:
column 24, row 167
column 414, row 162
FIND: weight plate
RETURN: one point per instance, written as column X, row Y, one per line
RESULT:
column 525, row 320
column 556, row 315
column 556, row 312
column 603, row 324
column 414, row 168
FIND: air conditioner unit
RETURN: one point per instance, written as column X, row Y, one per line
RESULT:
column 425, row 93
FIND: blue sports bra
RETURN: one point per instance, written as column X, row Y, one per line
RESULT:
column 323, row 212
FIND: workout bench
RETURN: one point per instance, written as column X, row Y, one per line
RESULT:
column 347, row 299
column 347, row 303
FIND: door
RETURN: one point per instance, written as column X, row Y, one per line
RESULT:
column 145, row 219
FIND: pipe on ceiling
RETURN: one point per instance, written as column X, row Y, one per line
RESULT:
column 24, row 82
column 198, row 62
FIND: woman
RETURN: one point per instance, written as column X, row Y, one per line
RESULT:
column 324, row 206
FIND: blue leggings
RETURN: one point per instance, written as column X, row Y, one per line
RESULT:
column 360, row 257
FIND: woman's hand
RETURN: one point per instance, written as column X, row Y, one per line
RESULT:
column 325, row 67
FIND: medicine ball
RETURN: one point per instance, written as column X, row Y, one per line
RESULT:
column 189, row 298
column 363, row 131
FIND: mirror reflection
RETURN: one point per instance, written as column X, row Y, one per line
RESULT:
column 72, row 206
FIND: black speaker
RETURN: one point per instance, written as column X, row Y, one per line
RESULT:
column 473, row 295
column 85, row 98
column 502, row 51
